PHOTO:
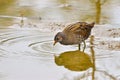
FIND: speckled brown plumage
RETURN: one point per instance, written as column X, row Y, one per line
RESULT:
column 74, row 33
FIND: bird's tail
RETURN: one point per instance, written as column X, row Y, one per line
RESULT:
column 92, row 24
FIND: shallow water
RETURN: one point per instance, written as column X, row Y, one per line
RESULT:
column 57, row 11
column 27, row 54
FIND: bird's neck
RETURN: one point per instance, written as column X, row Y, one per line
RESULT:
column 65, row 40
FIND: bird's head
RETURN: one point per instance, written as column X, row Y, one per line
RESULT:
column 58, row 37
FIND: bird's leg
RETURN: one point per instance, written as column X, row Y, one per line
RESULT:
column 84, row 46
column 79, row 45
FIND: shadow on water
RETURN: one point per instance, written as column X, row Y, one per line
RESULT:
column 80, row 61
column 38, row 47
column 74, row 60
column 63, row 10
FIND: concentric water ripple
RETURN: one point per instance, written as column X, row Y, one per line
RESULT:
column 37, row 41
column 19, row 40
column 31, row 42
column 26, row 46
column 47, row 47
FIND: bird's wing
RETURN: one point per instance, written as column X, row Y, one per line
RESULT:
column 75, row 28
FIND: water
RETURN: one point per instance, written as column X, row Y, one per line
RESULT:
column 16, row 52
column 27, row 52
column 57, row 11
column 28, row 55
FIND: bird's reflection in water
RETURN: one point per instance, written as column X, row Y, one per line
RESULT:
column 74, row 60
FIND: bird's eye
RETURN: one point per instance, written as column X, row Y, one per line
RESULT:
column 57, row 38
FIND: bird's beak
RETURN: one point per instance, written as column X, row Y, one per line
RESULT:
column 54, row 43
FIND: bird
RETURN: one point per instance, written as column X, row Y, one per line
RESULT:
column 75, row 33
